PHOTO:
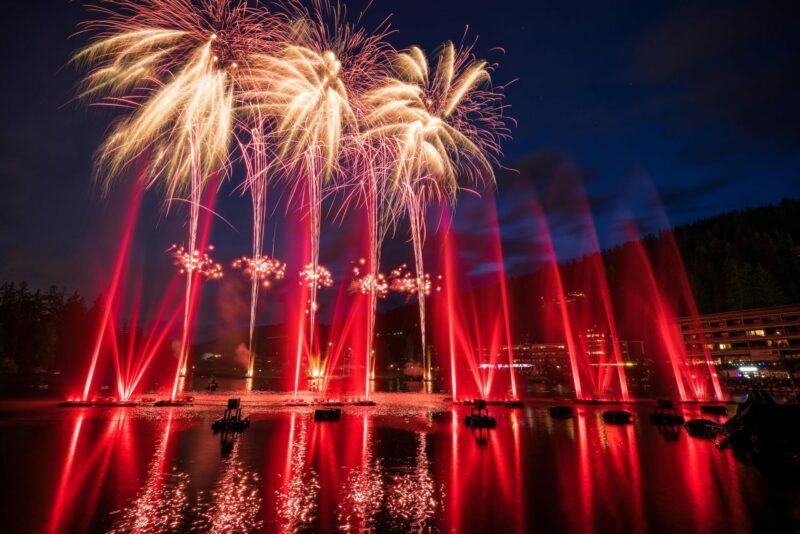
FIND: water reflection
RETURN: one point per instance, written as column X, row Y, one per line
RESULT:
column 78, row 485
column 162, row 501
column 412, row 494
column 297, row 500
column 376, row 470
column 363, row 490
column 234, row 503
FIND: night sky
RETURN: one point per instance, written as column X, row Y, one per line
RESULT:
column 696, row 99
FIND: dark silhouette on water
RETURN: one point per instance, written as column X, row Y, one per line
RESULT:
column 232, row 418
column 479, row 416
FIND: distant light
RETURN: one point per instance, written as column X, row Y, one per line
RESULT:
column 748, row 369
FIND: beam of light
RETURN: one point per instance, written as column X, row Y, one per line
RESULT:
column 112, row 290
column 561, row 298
column 445, row 125
column 66, row 474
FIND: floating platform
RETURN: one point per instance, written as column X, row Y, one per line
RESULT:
column 231, row 420
column 480, row 421
column 667, row 419
column 118, row 404
column 223, row 425
column 76, row 404
column 327, row 414
column 714, row 409
column 702, row 428
column 363, row 402
column 617, row 417
column 561, row 412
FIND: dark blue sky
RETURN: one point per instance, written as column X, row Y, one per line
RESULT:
column 699, row 99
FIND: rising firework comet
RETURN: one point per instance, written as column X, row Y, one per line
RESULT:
column 175, row 65
column 255, row 155
column 310, row 90
column 445, row 125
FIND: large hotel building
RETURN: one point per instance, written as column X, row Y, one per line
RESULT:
column 758, row 344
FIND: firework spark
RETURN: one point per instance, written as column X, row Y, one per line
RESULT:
column 404, row 282
column 261, row 268
column 196, row 262
column 368, row 283
column 316, row 277
column 175, row 64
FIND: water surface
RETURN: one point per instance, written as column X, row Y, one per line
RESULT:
column 408, row 464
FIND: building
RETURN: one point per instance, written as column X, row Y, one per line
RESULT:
column 550, row 362
column 761, row 344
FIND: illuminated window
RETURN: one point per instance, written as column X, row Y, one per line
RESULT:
column 724, row 346
column 758, row 333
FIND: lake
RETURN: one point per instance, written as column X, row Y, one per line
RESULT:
column 408, row 464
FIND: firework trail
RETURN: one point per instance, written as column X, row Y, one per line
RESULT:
column 310, row 92
column 260, row 268
column 445, row 125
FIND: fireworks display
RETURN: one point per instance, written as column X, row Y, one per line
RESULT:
column 196, row 262
column 300, row 94
column 175, row 64
column 262, row 268
column 444, row 124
